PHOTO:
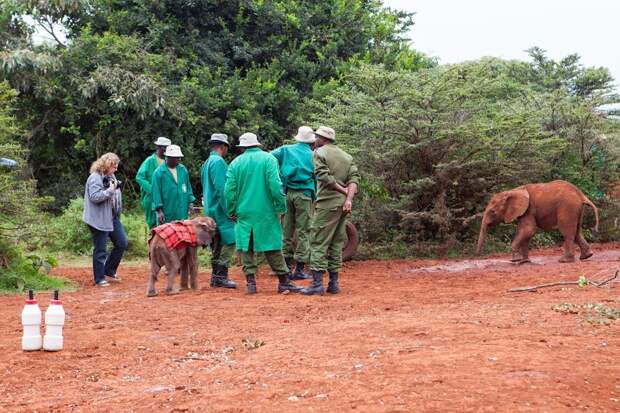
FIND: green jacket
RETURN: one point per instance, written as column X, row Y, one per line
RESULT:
column 332, row 164
column 173, row 196
column 144, row 177
column 296, row 168
column 254, row 194
column 213, row 177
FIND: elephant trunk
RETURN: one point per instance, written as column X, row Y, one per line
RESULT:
column 483, row 232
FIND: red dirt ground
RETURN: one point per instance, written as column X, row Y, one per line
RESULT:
column 399, row 338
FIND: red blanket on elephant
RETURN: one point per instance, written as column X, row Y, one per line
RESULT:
column 177, row 234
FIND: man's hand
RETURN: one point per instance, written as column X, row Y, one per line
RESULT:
column 160, row 217
column 347, row 206
column 348, row 202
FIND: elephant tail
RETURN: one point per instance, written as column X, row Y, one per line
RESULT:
column 589, row 203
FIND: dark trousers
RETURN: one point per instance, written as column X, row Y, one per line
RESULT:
column 104, row 264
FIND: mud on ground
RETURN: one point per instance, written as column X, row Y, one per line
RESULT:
column 402, row 336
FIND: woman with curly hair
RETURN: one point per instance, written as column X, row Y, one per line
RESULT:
column 102, row 209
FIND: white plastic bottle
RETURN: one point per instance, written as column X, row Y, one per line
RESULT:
column 54, row 321
column 31, row 321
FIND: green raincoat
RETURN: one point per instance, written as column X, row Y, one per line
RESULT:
column 213, row 176
column 172, row 196
column 144, row 177
column 254, row 195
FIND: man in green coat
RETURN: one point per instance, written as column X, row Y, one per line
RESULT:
column 144, row 177
column 172, row 193
column 297, row 172
column 337, row 179
column 213, row 177
column 254, row 198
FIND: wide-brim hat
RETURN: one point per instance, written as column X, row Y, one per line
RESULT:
column 247, row 140
column 173, row 151
column 163, row 141
column 305, row 134
column 219, row 138
column 325, row 132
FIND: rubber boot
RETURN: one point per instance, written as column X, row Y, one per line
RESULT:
column 333, row 287
column 299, row 273
column 285, row 284
column 317, row 284
column 214, row 274
column 251, row 283
column 221, row 279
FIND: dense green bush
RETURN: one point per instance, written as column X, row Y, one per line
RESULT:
column 19, row 271
column 434, row 145
column 68, row 233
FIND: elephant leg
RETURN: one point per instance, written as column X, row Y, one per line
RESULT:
column 521, row 243
column 192, row 267
column 173, row 267
column 155, row 267
column 586, row 252
column 184, row 274
column 569, row 232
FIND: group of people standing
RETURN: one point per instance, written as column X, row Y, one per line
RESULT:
column 311, row 184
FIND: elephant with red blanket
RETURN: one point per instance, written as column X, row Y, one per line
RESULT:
column 174, row 245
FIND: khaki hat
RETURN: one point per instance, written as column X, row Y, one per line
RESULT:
column 220, row 138
column 163, row 141
column 325, row 132
column 305, row 134
column 173, row 151
column 248, row 139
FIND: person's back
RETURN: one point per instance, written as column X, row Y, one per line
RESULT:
column 296, row 167
column 253, row 171
column 341, row 168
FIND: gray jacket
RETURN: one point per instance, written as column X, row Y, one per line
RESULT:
column 101, row 205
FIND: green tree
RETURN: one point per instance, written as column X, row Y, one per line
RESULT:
column 435, row 143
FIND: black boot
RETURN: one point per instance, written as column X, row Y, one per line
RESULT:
column 220, row 278
column 285, row 284
column 251, row 283
column 333, row 287
column 317, row 284
column 299, row 273
column 214, row 274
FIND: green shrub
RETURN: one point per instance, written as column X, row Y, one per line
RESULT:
column 68, row 233
column 19, row 272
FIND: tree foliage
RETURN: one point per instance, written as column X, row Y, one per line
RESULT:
column 133, row 70
column 435, row 143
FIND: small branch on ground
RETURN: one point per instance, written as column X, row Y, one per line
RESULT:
column 555, row 284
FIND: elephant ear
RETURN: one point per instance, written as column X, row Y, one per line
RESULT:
column 517, row 202
column 205, row 233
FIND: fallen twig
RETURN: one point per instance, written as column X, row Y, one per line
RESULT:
column 554, row 284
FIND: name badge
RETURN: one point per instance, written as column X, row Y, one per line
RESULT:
column 184, row 188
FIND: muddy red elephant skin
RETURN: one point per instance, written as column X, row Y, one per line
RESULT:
column 556, row 205
column 183, row 261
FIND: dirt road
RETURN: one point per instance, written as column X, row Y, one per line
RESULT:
column 403, row 336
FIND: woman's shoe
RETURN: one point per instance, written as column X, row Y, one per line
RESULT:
column 114, row 278
column 102, row 283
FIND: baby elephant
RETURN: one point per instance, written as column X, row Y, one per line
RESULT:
column 556, row 205
column 174, row 245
